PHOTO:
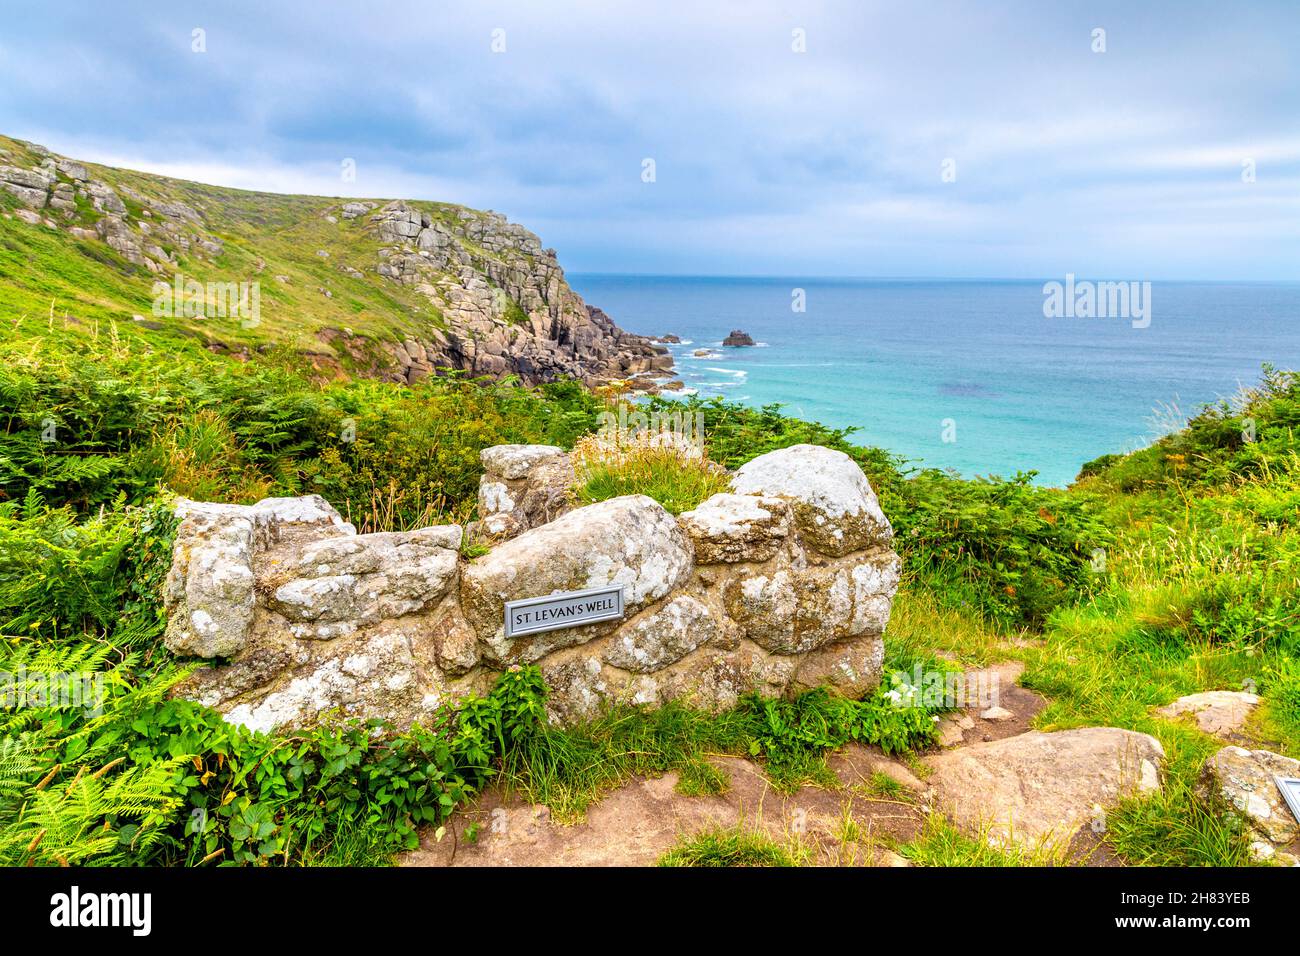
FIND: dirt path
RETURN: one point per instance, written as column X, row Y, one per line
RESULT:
column 641, row 820
column 638, row 822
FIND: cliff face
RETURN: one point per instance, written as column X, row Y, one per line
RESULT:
column 392, row 288
column 507, row 306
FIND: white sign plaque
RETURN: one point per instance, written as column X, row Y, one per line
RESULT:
column 550, row 613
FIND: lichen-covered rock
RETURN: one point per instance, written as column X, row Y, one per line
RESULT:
column 363, row 579
column 31, row 186
column 209, row 590
column 277, row 520
column 455, row 643
column 730, row 528
column 1043, row 786
column 576, row 688
column 662, row 636
column 765, row 606
column 313, row 617
column 710, row 679
column 580, row 685
column 512, row 462
column 1243, row 779
column 793, row 610
column 209, row 593
column 835, row 509
column 630, row 541
column 874, row 583
column 380, row 675
column 850, row 668
column 522, row 486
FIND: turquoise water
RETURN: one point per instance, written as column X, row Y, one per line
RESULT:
column 912, row 362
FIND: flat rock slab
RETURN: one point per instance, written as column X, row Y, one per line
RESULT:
column 637, row 823
column 1219, row 712
column 1041, row 787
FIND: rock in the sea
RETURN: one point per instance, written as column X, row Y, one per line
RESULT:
column 1044, row 786
column 835, row 508
column 738, row 338
column 630, row 541
column 1219, row 712
column 1243, row 780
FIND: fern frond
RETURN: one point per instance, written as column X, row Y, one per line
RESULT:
column 81, row 822
column 19, row 766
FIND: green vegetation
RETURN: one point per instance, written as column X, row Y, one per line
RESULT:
column 570, row 769
column 274, row 239
column 731, row 846
column 942, row 844
column 1009, row 549
column 677, row 483
column 90, row 418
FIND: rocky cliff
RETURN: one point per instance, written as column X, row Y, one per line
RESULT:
column 391, row 288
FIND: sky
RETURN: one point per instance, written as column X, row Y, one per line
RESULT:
column 855, row 138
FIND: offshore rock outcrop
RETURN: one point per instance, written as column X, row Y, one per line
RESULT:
column 776, row 588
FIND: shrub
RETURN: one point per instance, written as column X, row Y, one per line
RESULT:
column 83, row 422
column 1015, row 550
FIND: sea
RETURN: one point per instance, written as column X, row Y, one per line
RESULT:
column 968, row 375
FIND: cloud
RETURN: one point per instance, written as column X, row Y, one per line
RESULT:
column 768, row 160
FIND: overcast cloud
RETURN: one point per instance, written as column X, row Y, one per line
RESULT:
column 1126, row 163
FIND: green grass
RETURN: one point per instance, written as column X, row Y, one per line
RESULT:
column 676, row 483
column 570, row 769
column 699, row 778
column 882, row 785
column 264, row 235
column 732, row 847
column 942, row 844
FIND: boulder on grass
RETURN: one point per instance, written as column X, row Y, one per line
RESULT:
column 1219, row 712
column 1243, row 780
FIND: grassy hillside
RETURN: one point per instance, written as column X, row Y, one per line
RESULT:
column 262, row 235
column 389, row 288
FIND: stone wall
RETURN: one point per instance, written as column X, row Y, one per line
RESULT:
column 782, row 584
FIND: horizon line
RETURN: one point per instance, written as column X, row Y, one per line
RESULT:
column 909, row 278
